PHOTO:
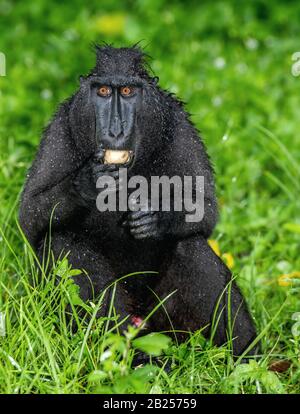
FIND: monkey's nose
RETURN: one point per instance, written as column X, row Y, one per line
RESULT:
column 115, row 129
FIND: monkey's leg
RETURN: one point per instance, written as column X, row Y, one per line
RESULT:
column 100, row 275
column 200, row 278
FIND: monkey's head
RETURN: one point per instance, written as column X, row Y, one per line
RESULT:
column 118, row 114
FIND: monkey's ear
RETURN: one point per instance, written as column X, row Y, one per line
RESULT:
column 82, row 78
column 155, row 80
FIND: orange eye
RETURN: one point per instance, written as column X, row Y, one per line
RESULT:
column 104, row 91
column 126, row 90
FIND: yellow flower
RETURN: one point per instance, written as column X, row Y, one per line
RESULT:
column 287, row 279
column 110, row 24
column 227, row 257
column 229, row 260
column 215, row 246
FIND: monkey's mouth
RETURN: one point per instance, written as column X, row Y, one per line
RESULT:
column 117, row 157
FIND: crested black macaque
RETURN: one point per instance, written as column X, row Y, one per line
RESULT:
column 120, row 107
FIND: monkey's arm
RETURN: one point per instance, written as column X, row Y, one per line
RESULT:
column 185, row 157
column 159, row 225
column 190, row 159
column 199, row 210
column 49, row 180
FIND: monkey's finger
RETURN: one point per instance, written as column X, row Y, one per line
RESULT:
column 135, row 204
column 142, row 221
column 114, row 175
column 105, row 168
column 99, row 156
column 145, row 235
column 119, row 186
column 134, row 215
column 146, row 228
column 111, row 167
column 100, row 173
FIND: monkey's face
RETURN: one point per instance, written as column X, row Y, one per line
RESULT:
column 119, row 113
column 118, row 120
column 116, row 110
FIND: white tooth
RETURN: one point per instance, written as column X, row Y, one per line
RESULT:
column 116, row 157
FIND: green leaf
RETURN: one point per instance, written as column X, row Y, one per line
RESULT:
column 115, row 343
column 97, row 376
column 62, row 268
column 293, row 227
column 152, row 344
column 73, row 291
column 156, row 389
column 145, row 373
column 271, row 382
column 75, row 272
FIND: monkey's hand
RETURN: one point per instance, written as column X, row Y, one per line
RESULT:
column 85, row 182
column 107, row 170
column 148, row 224
column 99, row 170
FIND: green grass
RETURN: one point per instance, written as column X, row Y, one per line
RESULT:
column 232, row 64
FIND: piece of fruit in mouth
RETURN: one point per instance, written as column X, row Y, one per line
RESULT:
column 117, row 156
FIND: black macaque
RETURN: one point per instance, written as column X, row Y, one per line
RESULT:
column 119, row 106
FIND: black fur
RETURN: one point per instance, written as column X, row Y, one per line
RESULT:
column 107, row 245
